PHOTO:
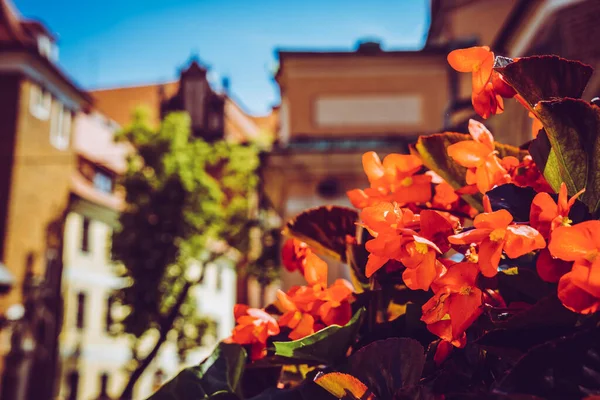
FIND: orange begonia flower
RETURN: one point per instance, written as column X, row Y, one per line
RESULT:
column 579, row 289
column 478, row 60
column 293, row 255
column 546, row 215
column 488, row 85
column 306, row 309
column 445, row 196
column 456, row 304
column 494, row 232
column 336, row 309
column 479, row 156
column 392, row 180
column 487, row 103
column 396, row 239
column 253, row 328
column 301, row 323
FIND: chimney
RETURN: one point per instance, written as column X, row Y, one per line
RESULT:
column 225, row 83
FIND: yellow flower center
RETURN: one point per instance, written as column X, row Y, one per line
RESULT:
column 465, row 291
column 406, row 182
column 421, row 248
column 497, row 234
column 446, row 317
column 566, row 221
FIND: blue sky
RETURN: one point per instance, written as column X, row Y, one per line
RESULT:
column 108, row 43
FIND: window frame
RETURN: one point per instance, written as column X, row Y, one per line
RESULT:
column 40, row 102
column 80, row 316
column 84, row 245
column 60, row 127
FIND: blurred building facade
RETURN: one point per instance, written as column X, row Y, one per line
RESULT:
column 94, row 357
column 38, row 104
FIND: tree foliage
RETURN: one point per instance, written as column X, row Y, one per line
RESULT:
column 187, row 201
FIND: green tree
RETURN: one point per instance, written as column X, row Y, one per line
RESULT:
column 187, row 204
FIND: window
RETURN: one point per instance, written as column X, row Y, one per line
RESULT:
column 85, row 235
column 104, row 384
column 60, row 129
column 103, row 182
column 109, row 238
column 40, row 102
column 80, row 310
column 194, row 95
column 109, row 318
column 219, row 280
column 73, row 384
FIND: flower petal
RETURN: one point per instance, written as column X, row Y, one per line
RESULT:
column 422, row 275
column 468, row 153
column 490, row 252
column 401, row 164
column 483, row 73
column 464, row 310
column 574, row 297
column 522, row 239
column 465, row 60
column 304, row 328
column 481, row 134
column 551, row 269
column 493, row 220
column 575, row 242
column 372, row 166
column 315, row 270
column 470, row 236
column 374, row 264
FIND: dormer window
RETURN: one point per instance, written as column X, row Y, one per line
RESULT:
column 45, row 47
column 194, row 98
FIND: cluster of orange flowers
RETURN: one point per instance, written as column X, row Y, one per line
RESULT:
column 304, row 309
column 411, row 216
column 418, row 240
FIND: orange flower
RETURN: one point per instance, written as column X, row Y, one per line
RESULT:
column 395, row 241
column 301, row 323
column 293, row 255
column 579, row 289
column 487, row 103
column 546, row 215
column 494, row 232
column 488, row 86
column 335, row 309
column 456, row 304
column 253, row 328
column 479, row 156
column 445, row 196
column 478, row 60
column 392, row 180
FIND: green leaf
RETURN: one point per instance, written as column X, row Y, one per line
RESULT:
column 217, row 377
column 386, row 366
column 433, row 152
column 546, row 77
column 573, row 130
column 325, row 229
column 326, row 346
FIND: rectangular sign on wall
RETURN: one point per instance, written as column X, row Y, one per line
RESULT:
column 376, row 110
